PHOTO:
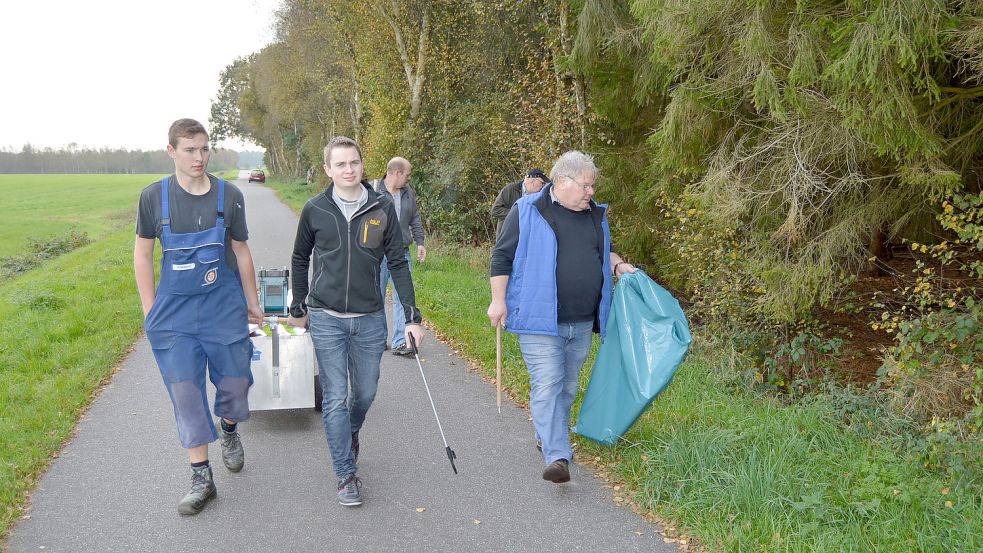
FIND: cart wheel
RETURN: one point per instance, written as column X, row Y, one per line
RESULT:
column 318, row 393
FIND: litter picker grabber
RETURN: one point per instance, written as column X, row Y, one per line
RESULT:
column 450, row 452
column 498, row 367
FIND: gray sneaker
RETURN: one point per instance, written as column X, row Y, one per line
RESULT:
column 232, row 454
column 403, row 351
column 202, row 489
column 350, row 491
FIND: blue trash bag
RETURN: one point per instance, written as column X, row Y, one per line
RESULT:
column 646, row 339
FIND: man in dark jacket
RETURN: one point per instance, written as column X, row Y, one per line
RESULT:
column 395, row 185
column 532, row 183
column 348, row 228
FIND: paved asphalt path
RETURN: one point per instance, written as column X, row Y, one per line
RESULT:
column 116, row 485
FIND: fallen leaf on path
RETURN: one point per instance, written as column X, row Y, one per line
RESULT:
column 421, row 509
column 476, row 521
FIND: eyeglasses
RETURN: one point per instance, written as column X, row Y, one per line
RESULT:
column 585, row 187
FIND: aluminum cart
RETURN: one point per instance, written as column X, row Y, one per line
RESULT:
column 285, row 374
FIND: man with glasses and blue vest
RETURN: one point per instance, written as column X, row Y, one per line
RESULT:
column 198, row 316
column 551, row 283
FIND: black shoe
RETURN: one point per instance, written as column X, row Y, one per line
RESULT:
column 403, row 351
column 202, row 489
column 557, row 471
column 355, row 445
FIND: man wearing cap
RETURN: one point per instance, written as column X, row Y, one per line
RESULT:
column 532, row 183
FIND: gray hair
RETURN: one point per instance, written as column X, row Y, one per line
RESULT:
column 572, row 164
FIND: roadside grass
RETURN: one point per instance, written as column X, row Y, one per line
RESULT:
column 68, row 322
column 293, row 193
column 737, row 471
column 741, row 473
column 76, row 317
column 40, row 206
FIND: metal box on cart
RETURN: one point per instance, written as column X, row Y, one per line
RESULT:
column 285, row 374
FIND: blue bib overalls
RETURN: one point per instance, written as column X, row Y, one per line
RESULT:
column 199, row 317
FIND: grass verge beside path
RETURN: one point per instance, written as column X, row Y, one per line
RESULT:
column 295, row 194
column 67, row 323
column 739, row 472
column 76, row 317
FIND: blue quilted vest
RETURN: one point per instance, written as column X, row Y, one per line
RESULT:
column 531, row 294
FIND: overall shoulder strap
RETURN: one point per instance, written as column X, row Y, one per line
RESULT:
column 221, row 199
column 165, row 211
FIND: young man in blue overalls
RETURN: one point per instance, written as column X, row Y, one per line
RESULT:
column 199, row 314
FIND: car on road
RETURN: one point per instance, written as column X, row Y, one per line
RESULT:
column 257, row 176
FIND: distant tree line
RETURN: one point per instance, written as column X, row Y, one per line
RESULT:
column 103, row 160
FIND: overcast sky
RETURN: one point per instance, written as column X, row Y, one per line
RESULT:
column 116, row 73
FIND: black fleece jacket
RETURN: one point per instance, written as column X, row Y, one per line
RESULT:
column 348, row 256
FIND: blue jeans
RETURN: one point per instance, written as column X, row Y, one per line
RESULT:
column 399, row 318
column 554, row 364
column 347, row 350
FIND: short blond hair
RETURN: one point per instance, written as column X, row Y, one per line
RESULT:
column 340, row 142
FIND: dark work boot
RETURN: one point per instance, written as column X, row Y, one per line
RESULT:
column 232, row 453
column 202, row 489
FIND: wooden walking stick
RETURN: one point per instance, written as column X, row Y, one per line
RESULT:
column 498, row 366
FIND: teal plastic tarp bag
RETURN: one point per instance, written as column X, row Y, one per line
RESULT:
column 646, row 339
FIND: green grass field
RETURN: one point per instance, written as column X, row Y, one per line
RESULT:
column 41, row 206
column 76, row 315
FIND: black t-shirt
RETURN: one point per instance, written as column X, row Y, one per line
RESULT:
column 190, row 213
column 579, row 273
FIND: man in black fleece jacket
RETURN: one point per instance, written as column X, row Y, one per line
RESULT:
column 348, row 228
